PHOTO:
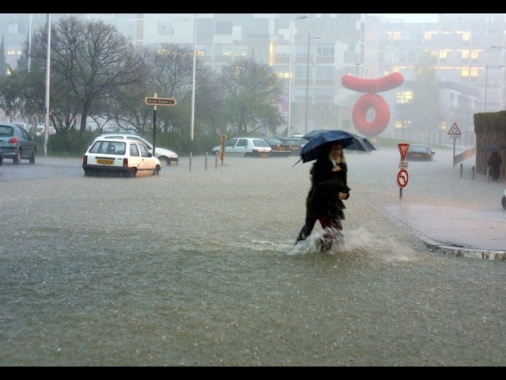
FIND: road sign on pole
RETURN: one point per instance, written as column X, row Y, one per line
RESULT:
column 454, row 130
column 402, row 178
column 403, row 149
column 161, row 101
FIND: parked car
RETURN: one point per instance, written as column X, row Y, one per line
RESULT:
column 245, row 146
column 166, row 156
column 295, row 142
column 119, row 157
column 17, row 143
column 419, row 152
column 40, row 129
column 279, row 147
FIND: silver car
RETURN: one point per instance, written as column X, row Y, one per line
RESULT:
column 245, row 146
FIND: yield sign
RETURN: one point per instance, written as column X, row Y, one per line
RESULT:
column 403, row 149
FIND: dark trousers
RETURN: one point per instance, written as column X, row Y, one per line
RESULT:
column 331, row 226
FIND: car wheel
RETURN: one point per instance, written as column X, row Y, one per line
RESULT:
column 164, row 161
column 157, row 170
column 32, row 158
column 132, row 174
column 1, row 159
column 17, row 157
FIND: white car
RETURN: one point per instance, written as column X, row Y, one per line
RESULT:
column 119, row 157
column 245, row 146
column 166, row 156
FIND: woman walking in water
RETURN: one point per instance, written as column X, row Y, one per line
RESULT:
column 324, row 201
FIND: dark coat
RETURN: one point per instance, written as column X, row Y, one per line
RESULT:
column 495, row 163
column 323, row 197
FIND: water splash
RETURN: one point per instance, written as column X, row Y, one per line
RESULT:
column 359, row 241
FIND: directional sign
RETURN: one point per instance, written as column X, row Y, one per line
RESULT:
column 454, row 130
column 403, row 149
column 402, row 178
column 161, row 101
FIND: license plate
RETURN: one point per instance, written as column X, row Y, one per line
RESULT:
column 105, row 162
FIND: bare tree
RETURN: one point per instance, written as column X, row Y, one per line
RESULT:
column 90, row 62
column 252, row 94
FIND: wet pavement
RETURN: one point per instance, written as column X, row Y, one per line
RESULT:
column 455, row 231
column 453, row 211
column 199, row 269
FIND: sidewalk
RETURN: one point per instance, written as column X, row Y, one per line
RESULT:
column 457, row 232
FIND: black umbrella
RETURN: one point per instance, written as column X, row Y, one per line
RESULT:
column 360, row 144
column 319, row 143
column 494, row 148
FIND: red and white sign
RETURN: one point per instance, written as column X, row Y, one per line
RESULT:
column 454, row 130
column 402, row 178
column 403, row 149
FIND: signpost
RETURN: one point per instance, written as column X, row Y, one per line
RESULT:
column 156, row 101
column 454, row 132
column 161, row 101
column 402, row 176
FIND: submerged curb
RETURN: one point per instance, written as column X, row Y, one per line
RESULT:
column 467, row 252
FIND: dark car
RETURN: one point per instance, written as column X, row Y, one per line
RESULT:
column 279, row 147
column 17, row 143
column 295, row 142
column 419, row 152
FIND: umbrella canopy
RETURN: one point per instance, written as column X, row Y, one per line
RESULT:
column 319, row 143
column 494, row 148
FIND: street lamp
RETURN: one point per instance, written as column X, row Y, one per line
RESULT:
column 316, row 38
column 290, row 73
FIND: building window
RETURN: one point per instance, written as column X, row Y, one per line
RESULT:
column 324, row 73
column 404, row 97
column 14, row 49
column 324, row 51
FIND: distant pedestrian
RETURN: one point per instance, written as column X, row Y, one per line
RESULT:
column 494, row 163
column 324, row 201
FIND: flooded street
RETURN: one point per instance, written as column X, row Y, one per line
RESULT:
column 198, row 268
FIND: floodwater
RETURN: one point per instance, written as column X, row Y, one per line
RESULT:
column 197, row 268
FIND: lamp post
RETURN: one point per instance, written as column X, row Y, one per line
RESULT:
column 290, row 73
column 193, row 86
column 316, row 38
column 48, row 83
